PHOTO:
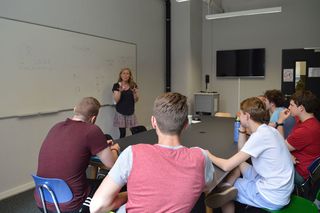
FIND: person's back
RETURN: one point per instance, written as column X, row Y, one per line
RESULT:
column 65, row 154
column 165, row 179
column 271, row 160
column 268, row 182
column 66, row 151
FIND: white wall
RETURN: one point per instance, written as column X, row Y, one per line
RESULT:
column 297, row 26
column 142, row 22
column 138, row 21
column 186, row 33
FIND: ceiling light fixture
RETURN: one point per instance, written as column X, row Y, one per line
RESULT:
column 181, row 0
column 244, row 13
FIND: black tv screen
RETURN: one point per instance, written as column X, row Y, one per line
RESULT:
column 241, row 63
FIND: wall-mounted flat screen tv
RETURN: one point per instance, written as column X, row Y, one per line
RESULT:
column 241, row 63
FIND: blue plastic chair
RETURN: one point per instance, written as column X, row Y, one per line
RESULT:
column 52, row 190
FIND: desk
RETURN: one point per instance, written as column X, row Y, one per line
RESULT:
column 212, row 133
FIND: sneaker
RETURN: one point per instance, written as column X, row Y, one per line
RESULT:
column 220, row 196
column 102, row 173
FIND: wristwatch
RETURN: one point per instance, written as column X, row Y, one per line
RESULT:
column 278, row 124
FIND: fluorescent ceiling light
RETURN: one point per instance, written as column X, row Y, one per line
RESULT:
column 311, row 48
column 315, row 49
column 244, row 13
column 181, row 0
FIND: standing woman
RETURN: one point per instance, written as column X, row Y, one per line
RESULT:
column 125, row 94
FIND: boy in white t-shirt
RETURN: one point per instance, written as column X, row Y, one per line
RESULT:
column 268, row 182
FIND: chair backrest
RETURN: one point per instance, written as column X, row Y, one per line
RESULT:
column 314, row 170
column 59, row 187
column 223, row 114
column 314, row 165
column 138, row 129
column 108, row 137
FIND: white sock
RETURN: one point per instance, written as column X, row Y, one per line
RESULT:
column 225, row 184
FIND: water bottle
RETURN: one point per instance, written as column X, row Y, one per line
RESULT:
column 236, row 127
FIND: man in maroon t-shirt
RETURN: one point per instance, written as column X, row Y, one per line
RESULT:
column 303, row 142
column 66, row 151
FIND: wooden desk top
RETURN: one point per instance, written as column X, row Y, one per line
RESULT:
column 212, row 133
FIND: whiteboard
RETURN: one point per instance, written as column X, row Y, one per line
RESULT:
column 45, row 69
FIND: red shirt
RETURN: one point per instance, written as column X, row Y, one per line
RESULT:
column 305, row 138
column 65, row 154
column 165, row 180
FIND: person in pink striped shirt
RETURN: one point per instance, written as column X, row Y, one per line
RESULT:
column 164, row 177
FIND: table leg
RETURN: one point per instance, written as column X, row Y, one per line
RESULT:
column 92, row 170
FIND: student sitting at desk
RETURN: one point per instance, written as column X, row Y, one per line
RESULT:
column 66, row 151
column 164, row 177
column 304, row 140
column 274, row 100
column 268, row 182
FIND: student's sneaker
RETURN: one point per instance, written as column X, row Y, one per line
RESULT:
column 102, row 173
column 220, row 196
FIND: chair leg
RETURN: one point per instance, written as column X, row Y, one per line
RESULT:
column 42, row 200
column 55, row 202
column 53, row 198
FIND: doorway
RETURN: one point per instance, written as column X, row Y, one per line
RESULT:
column 300, row 70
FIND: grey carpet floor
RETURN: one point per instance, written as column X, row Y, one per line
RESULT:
column 21, row 203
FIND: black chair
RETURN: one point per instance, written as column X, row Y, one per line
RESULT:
column 108, row 137
column 138, row 129
column 308, row 188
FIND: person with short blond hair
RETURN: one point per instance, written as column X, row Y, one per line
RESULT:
column 125, row 95
column 170, row 110
column 268, row 182
column 87, row 107
column 164, row 177
column 65, row 154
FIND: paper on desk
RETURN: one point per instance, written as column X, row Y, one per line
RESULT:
column 194, row 121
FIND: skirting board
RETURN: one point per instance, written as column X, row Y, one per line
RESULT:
column 16, row 190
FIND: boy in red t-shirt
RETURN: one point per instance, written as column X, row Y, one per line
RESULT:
column 303, row 142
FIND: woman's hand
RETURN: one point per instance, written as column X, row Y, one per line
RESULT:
column 135, row 94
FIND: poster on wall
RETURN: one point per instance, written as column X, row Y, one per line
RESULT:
column 314, row 72
column 287, row 75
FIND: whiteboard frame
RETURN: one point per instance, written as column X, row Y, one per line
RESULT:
column 24, row 115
